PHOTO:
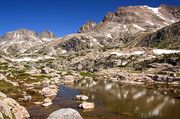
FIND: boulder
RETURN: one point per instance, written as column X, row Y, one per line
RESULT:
column 11, row 109
column 27, row 98
column 50, row 91
column 87, row 105
column 2, row 77
column 66, row 113
column 81, row 97
column 68, row 79
column 47, row 104
column 47, row 100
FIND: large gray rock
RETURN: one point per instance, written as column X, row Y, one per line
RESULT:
column 81, row 97
column 11, row 109
column 66, row 113
column 49, row 91
column 87, row 105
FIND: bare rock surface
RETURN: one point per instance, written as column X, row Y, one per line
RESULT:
column 11, row 109
column 66, row 113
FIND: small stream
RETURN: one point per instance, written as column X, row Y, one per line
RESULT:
column 113, row 101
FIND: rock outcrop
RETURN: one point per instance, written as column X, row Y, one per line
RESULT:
column 89, row 26
column 9, row 108
column 167, row 37
column 47, row 34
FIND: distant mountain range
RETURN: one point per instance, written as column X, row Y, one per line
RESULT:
column 130, row 26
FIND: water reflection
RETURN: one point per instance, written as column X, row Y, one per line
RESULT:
column 135, row 101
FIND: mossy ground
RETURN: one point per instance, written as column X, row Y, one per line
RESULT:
column 87, row 74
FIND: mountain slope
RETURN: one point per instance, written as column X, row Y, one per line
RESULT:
column 167, row 37
column 118, row 29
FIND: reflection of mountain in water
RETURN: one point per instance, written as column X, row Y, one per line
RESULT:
column 132, row 100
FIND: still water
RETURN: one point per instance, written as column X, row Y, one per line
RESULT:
column 113, row 101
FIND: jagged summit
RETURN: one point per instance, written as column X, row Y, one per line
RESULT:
column 87, row 27
column 135, row 18
column 20, row 40
column 47, row 34
column 20, row 33
column 23, row 32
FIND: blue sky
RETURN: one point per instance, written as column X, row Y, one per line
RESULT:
column 61, row 16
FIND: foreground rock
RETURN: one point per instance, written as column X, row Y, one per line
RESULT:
column 9, row 108
column 49, row 91
column 81, row 97
column 47, row 104
column 68, row 79
column 87, row 105
column 2, row 77
column 65, row 114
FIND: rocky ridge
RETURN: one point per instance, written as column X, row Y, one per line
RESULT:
column 19, row 41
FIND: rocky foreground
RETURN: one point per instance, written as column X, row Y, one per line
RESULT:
column 137, row 45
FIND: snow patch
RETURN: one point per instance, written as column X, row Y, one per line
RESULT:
column 165, row 51
column 94, row 40
column 109, row 35
column 29, row 59
column 156, row 11
column 47, row 39
column 64, row 51
column 138, row 52
column 138, row 27
column 133, row 53
column 150, row 23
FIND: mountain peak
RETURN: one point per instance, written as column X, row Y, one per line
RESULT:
column 19, row 33
column 88, row 26
column 47, row 34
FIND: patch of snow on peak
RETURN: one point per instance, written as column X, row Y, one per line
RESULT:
column 155, row 10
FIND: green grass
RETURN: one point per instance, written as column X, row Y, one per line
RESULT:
column 42, row 76
column 3, row 66
column 87, row 74
column 7, row 87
